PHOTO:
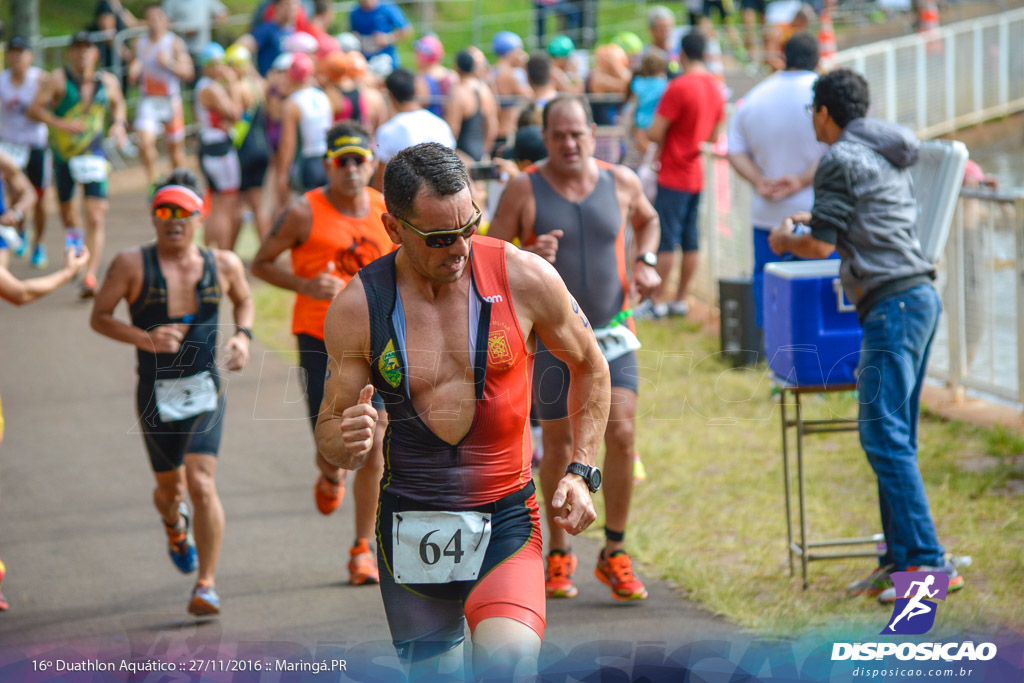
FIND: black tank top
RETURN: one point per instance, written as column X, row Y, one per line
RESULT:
column 199, row 349
column 591, row 253
column 471, row 135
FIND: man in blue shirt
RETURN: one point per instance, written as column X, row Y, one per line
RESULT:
column 267, row 37
column 379, row 26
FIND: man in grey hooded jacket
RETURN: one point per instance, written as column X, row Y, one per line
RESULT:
column 864, row 208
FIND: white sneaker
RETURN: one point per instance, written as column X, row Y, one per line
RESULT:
column 648, row 310
column 678, row 308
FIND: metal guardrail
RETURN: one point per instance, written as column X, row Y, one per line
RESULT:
column 943, row 80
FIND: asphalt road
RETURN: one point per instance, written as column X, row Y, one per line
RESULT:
column 88, row 573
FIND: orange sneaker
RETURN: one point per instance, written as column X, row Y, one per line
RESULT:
column 558, row 579
column 328, row 495
column 87, row 289
column 616, row 571
column 362, row 568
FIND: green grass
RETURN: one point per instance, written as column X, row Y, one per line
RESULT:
column 710, row 518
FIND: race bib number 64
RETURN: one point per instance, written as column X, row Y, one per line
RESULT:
column 439, row 547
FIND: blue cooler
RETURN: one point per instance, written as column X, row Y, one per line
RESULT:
column 811, row 333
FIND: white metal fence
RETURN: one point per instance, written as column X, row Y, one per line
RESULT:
column 949, row 78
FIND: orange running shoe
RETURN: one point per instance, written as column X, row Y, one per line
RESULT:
column 558, row 580
column 87, row 289
column 616, row 571
column 328, row 495
column 362, row 568
column 205, row 601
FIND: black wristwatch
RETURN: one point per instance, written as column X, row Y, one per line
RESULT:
column 591, row 475
column 648, row 257
column 244, row 330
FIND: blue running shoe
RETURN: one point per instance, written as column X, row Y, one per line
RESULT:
column 180, row 544
column 21, row 251
column 39, row 259
column 205, row 601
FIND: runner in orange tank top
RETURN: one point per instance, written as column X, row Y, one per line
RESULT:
column 332, row 232
column 445, row 330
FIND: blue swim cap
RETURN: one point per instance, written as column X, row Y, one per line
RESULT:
column 504, row 42
column 212, row 52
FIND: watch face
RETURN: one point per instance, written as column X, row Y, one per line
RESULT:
column 650, row 259
column 595, row 479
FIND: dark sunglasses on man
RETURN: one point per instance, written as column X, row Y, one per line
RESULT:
column 446, row 238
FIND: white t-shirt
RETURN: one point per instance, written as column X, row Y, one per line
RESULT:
column 412, row 128
column 773, row 127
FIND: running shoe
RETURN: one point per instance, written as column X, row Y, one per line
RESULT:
column 558, row 580
column 639, row 471
column 205, row 601
column 956, row 581
column 87, row 289
column 39, row 259
column 328, row 495
column 22, row 250
column 362, row 568
column 180, row 544
column 616, row 571
column 3, row 601
column 874, row 583
column 648, row 310
column 678, row 309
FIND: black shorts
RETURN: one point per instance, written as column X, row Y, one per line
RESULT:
column 429, row 619
column 551, row 382
column 66, row 184
column 313, row 361
column 39, row 169
column 253, row 173
column 167, row 443
column 308, row 174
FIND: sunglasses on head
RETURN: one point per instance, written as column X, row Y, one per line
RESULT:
column 446, row 238
column 166, row 213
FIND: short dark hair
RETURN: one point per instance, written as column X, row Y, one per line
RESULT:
column 428, row 164
column 179, row 176
column 347, row 128
column 845, row 94
column 538, row 69
column 464, row 62
column 801, row 52
column 151, row 5
column 401, row 83
column 692, row 46
column 563, row 99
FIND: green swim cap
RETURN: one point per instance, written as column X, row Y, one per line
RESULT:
column 560, row 47
column 629, row 41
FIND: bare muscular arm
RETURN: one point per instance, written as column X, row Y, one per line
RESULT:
column 344, row 431
column 548, row 310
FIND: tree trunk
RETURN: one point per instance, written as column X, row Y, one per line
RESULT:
column 25, row 19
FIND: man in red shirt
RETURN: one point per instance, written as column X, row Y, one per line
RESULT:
column 691, row 112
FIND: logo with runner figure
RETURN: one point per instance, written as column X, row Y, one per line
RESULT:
column 914, row 611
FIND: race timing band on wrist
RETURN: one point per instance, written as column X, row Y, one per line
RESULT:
column 244, row 330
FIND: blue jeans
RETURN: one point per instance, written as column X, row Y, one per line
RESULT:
column 898, row 333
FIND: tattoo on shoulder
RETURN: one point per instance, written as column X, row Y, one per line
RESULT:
column 579, row 312
column 278, row 222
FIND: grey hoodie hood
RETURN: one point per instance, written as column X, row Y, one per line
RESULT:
column 893, row 141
